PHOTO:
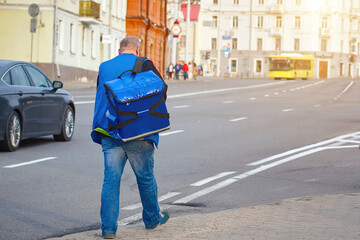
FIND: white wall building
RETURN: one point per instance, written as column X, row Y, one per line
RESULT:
column 236, row 37
column 72, row 37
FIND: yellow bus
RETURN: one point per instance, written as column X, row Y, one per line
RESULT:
column 291, row 66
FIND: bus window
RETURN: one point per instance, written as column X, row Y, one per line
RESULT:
column 279, row 65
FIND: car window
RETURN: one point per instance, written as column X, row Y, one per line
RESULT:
column 37, row 77
column 7, row 78
column 18, row 76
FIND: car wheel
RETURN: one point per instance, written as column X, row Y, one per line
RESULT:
column 67, row 128
column 12, row 132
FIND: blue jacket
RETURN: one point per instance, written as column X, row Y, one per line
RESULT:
column 108, row 71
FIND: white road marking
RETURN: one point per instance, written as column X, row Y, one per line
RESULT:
column 170, row 133
column 182, row 106
column 30, row 162
column 252, row 98
column 288, row 110
column 136, row 217
column 205, row 191
column 238, row 119
column 85, row 96
column 221, row 90
column 350, row 141
column 207, row 180
column 276, row 93
column 228, row 102
column 267, row 95
column 84, row 102
column 332, row 140
column 318, row 105
column 347, row 88
column 160, row 199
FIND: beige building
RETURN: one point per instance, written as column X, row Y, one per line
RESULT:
column 70, row 38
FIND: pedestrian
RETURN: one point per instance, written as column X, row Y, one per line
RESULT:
column 178, row 67
column 171, row 70
column 139, row 153
column 195, row 70
column 185, row 69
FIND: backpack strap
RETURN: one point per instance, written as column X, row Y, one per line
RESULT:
column 138, row 64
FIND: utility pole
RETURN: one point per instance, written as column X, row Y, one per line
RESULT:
column 218, row 42
column 174, row 43
column 187, row 32
column 250, row 37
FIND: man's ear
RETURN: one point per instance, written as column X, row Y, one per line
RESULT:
column 119, row 51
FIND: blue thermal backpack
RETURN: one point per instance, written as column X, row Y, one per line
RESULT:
column 137, row 101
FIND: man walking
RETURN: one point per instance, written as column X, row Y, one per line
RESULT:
column 185, row 69
column 140, row 152
column 178, row 68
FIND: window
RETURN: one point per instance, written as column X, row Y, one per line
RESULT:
column 233, row 65
column 118, row 9
column 296, row 44
column 261, row 2
column 342, row 46
column 323, row 45
column 258, row 66
column 84, row 39
column 279, row 1
column 214, row 21
column 213, row 43
column 235, row 22
column 358, row 48
column 236, row 2
column 215, row 1
column 324, row 22
column 298, row 2
column 72, row 38
column 93, row 44
column 278, row 21
column 7, row 78
column 297, row 22
column 103, row 5
column 342, row 25
column 61, row 35
column 37, row 77
column 260, row 23
column 113, row 8
column 234, row 43
column 278, row 44
column 259, row 44
column 19, row 77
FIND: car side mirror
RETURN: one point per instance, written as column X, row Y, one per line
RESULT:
column 57, row 85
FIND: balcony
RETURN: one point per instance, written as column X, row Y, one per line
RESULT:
column 325, row 32
column 276, row 32
column 89, row 12
column 277, row 9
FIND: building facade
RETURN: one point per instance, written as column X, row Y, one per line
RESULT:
column 146, row 19
column 238, row 36
column 71, row 37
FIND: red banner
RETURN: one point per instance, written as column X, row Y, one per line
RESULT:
column 194, row 11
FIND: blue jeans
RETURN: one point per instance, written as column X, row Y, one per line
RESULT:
column 141, row 157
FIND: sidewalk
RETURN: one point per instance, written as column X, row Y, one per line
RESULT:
column 319, row 217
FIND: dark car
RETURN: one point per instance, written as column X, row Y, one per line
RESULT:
column 31, row 105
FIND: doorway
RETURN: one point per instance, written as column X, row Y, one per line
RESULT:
column 323, row 69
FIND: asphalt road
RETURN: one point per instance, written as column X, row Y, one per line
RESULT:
column 232, row 143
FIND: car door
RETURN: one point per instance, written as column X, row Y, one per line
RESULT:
column 29, row 101
column 51, row 117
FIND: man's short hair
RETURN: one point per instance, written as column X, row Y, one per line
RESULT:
column 129, row 42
